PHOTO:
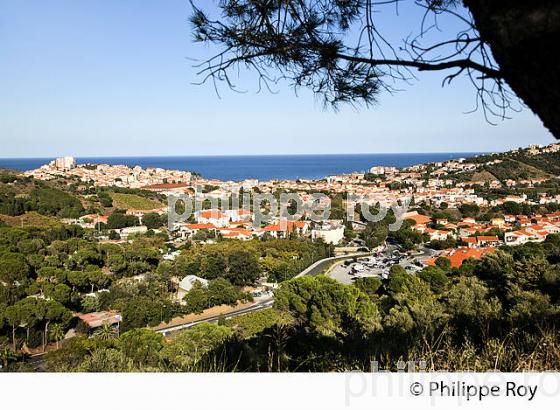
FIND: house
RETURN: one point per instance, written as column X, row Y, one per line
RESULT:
column 187, row 230
column 186, row 285
column 436, row 234
column 470, row 241
column 283, row 228
column 274, row 230
column 213, row 216
column 499, row 222
column 485, row 241
column 510, row 218
column 450, row 227
column 167, row 189
column 171, row 256
column 523, row 220
column 510, row 198
column 299, row 227
column 95, row 320
column 545, row 227
column 139, row 213
column 537, row 230
column 417, row 218
column 458, row 256
column 516, row 238
column 470, row 230
column 236, row 233
column 328, row 233
column 517, row 199
column 91, row 220
column 525, row 235
column 420, row 228
column 358, row 226
column 132, row 230
column 239, row 215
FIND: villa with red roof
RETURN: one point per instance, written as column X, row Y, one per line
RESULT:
column 213, row 216
column 416, row 217
column 458, row 256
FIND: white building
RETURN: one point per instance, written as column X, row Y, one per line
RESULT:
column 187, row 283
column 64, row 163
column 377, row 170
column 330, row 232
column 133, row 230
column 214, row 217
column 523, row 236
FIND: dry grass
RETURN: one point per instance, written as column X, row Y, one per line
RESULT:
column 514, row 353
column 483, row 176
column 31, row 219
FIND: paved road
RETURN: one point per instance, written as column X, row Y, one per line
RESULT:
column 263, row 304
column 341, row 273
column 320, row 265
column 39, row 359
column 312, row 270
column 344, row 274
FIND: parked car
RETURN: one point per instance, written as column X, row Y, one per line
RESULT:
column 358, row 267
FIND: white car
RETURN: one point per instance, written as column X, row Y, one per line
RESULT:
column 358, row 267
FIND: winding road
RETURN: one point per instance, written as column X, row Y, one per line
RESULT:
column 265, row 303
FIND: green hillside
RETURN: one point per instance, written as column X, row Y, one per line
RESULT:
column 513, row 165
column 19, row 195
column 515, row 169
column 131, row 201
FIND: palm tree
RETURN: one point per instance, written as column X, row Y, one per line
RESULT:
column 56, row 333
column 105, row 332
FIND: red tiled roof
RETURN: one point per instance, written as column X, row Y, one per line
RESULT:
column 232, row 233
column 200, row 226
column 212, row 214
column 487, row 238
column 96, row 319
column 419, row 219
column 165, row 186
column 286, row 226
column 273, row 228
column 458, row 256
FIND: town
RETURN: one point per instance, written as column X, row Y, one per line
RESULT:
column 432, row 187
column 95, row 246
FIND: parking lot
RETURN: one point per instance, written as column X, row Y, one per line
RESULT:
column 377, row 265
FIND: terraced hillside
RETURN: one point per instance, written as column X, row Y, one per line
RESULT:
column 132, row 201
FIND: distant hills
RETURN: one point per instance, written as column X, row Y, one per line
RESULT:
column 520, row 164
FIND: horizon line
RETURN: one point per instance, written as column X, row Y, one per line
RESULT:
column 255, row 155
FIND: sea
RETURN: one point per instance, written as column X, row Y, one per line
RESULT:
column 261, row 167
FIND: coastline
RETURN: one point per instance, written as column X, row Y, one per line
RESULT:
column 261, row 167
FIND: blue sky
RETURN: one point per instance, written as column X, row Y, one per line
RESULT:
column 106, row 77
